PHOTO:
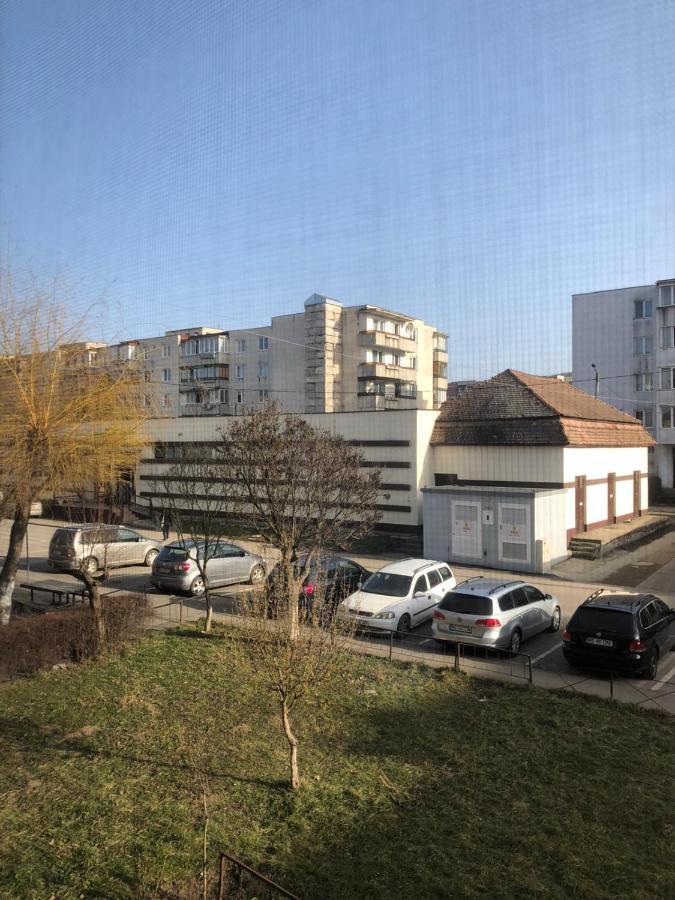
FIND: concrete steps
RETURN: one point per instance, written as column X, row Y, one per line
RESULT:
column 585, row 548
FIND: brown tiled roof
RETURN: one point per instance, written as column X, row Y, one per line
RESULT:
column 515, row 409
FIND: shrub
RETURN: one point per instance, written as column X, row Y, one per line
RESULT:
column 31, row 643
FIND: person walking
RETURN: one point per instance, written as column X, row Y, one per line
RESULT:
column 164, row 525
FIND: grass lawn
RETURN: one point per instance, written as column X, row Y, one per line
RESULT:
column 417, row 783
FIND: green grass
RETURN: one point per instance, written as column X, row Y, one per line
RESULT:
column 416, row 784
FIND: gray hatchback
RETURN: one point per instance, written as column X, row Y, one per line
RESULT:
column 176, row 566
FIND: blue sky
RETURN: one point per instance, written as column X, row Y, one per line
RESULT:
column 472, row 162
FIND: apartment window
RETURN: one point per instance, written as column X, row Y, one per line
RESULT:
column 166, row 374
column 188, row 348
column 263, row 343
column 146, row 376
column 642, row 309
column 263, row 369
column 165, row 400
column 646, row 416
column 148, row 400
column 166, row 350
column 668, row 379
column 643, row 345
column 667, row 295
column 240, row 396
column 406, row 389
column 668, row 337
column 146, row 353
column 241, row 372
column 240, row 345
column 263, row 396
column 644, row 382
column 667, row 416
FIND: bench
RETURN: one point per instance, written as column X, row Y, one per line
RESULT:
column 61, row 594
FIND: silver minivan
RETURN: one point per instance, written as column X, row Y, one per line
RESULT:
column 96, row 547
column 490, row 612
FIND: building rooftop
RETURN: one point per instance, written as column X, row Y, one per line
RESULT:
column 516, row 409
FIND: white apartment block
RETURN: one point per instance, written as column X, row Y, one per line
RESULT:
column 329, row 358
column 629, row 334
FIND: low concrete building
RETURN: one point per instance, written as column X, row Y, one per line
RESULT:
column 396, row 443
column 522, row 463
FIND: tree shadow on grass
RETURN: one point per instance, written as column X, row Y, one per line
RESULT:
column 26, row 736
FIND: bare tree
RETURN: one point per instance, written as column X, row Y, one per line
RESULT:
column 63, row 422
column 304, row 490
column 198, row 500
column 301, row 488
column 292, row 661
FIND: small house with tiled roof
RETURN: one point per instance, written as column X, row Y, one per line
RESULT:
column 522, row 463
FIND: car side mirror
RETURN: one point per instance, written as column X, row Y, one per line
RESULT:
column 241, row 553
column 548, row 597
column 359, row 584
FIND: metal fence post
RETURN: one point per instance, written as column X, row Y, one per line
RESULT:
column 391, row 643
column 456, row 657
column 180, row 611
column 611, row 685
column 529, row 669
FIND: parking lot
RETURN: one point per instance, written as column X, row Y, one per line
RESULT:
column 542, row 652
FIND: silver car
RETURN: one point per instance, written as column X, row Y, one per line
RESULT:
column 490, row 612
column 96, row 547
column 176, row 566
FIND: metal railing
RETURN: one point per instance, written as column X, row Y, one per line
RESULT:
column 239, row 872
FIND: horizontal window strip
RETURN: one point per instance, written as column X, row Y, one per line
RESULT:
column 160, row 495
column 388, row 464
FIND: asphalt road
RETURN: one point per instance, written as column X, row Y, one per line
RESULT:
column 544, row 650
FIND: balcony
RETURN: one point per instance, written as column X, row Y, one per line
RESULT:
column 385, row 340
column 382, row 370
column 205, row 409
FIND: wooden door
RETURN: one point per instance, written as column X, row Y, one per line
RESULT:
column 611, row 498
column 580, row 503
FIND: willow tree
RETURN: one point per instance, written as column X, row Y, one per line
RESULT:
column 64, row 422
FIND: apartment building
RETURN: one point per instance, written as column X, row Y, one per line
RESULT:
column 628, row 334
column 328, row 358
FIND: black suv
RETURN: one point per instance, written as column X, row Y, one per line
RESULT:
column 621, row 631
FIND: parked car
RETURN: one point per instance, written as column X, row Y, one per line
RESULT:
column 331, row 578
column 176, row 566
column 400, row 596
column 95, row 547
column 489, row 612
column 620, row 630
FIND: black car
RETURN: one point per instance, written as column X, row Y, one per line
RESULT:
column 620, row 631
column 330, row 580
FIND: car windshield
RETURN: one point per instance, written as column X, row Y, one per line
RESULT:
column 591, row 618
column 387, row 583
column 468, row 604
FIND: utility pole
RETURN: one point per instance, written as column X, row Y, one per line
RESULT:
column 597, row 379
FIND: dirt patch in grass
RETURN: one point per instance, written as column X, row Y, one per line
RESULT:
column 416, row 783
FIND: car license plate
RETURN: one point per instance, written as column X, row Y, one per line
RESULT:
column 599, row 642
column 462, row 629
column 165, row 570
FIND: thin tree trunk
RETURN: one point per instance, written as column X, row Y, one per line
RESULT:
column 97, row 613
column 11, row 563
column 293, row 746
column 209, row 611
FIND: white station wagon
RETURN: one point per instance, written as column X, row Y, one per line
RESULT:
column 400, row 596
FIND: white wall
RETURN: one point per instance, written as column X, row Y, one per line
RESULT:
column 549, row 514
column 500, row 464
column 597, row 463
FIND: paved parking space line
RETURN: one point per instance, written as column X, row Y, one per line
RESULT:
column 546, row 653
column 664, row 676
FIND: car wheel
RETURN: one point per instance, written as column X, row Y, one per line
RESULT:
column 650, row 673
column 403, row 627
column 90, row 565
column 555, row 621
column 515, row 643
column 197, row 586
column 151, row 556
column 257, row 574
